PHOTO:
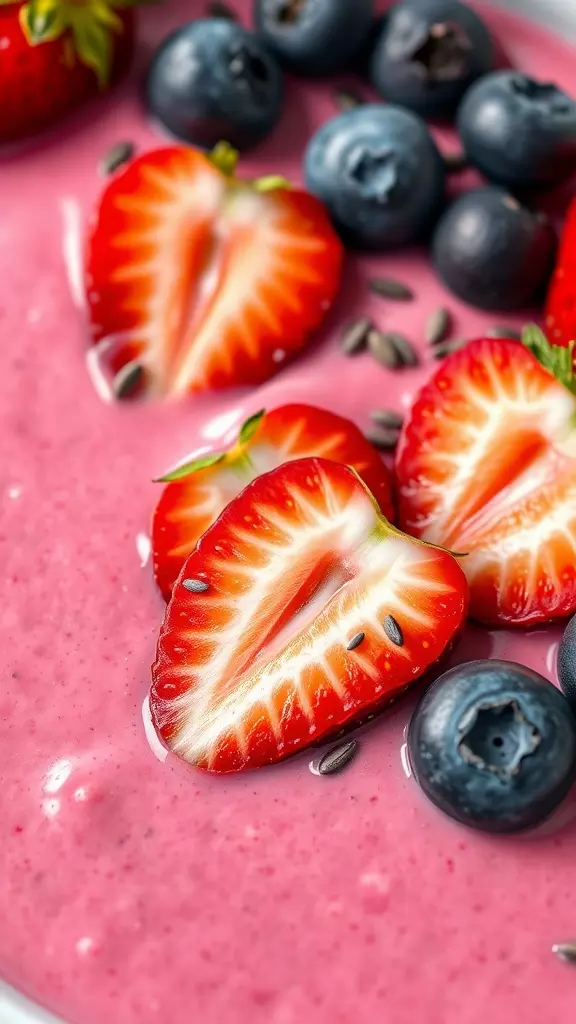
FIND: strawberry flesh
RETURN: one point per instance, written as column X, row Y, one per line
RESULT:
column 188, row 506
column 486, row 466
column 561, row 301
column 204, row 280
column 256, row 667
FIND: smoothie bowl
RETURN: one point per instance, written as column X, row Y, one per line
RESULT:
column 344, row 792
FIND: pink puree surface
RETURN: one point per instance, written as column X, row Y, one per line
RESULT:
column 136, row 891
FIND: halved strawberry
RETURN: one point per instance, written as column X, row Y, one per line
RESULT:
column 486, row 466
column 199, row 490
column 204, row 280
column 561, row 301
column 300, row 608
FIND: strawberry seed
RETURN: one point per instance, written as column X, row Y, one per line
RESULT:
column 355, row 641
column 196, row 586
column 337, row 758
column 393, row 631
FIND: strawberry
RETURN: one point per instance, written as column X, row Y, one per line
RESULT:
column 199, row 491
column 561, row 301
column 486, row 466
column 204, row 280
column 57, row 54
column 300, row 609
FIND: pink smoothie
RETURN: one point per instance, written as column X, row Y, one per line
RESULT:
column 135, row 890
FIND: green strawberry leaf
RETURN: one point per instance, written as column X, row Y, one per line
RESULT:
column 557, row 359
column 249, row 428
column 42, row 21
column 93, row 44
column 204, row 462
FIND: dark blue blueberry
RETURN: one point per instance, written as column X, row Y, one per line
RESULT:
column 493, row 744
column 517, row 131
column 430, row 52
column 379, row 173
column 211, row 81
column 492, row 252
column 314, row 37
column 566, row 663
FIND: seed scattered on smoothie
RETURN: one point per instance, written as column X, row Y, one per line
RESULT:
column 348, row 99
column 438, row 326
column 355, row 337
column 355, row 641
column 382, row 349
column 196, row 586
column 565, row 951
column 337, row 758
column 405, row 349
column 120, row 154
column 391, row 288
column 387, row 418
column 448, row 347
column 128, row 381
column 393, row 631
column 502, row 331
column 385, row 439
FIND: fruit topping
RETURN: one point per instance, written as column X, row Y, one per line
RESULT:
column 299, row 564
column 493, row 744
column 213, row 80
column 55, row 55
column 561, row 301
column 314, row 37
column 566, row 662
column 202, row 279
column 517, row 131
column 486, row 466
column 380, row 174
column 492, row 252
column 199, row 491
column 429, row 53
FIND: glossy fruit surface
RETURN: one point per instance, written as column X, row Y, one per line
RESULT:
column 566, row 662
column 255, row 660
column 56, row 57
column 517, row 131
column 314, row 37
column 213, row 81
column 492, row 252
column 493, row 745
column 204, row 280
column 486, row 466
column 428, row 55
column 380, row 174
column 196, row 494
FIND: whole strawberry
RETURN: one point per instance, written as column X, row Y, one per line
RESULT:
column 57, row 54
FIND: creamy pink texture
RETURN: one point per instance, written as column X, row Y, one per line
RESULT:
column 139, row 891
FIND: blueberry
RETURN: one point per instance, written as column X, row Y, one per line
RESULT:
column 211, row 81
column 566, row 662
column 517, row 131
column 493, row 744
column 314, row 37
column 379, row 173
column 492, row 252
column 428, row 55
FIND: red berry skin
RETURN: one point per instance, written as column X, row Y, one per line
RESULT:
column 43, row 88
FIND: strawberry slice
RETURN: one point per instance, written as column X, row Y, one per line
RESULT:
column 486, row 466
column 202, row 280
column 199, row 491
column 561, row 301
column 300, row 609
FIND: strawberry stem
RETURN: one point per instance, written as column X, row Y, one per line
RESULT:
column 225, row 158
